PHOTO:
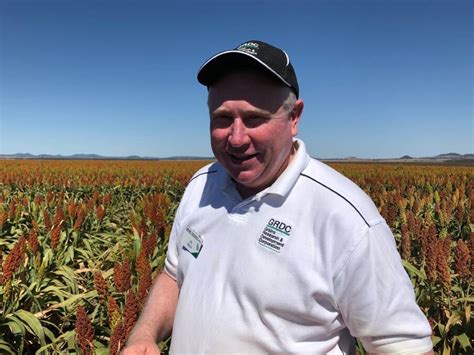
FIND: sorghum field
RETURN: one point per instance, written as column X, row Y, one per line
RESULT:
column 80, row 242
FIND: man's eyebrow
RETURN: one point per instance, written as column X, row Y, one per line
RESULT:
column 251, row 112
column 259, row 112
column 219, row 111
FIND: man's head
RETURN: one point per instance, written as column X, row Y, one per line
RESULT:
column 254, row 117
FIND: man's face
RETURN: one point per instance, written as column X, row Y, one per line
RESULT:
column 251, row 131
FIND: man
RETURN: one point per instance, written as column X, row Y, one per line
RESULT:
column 272, row 251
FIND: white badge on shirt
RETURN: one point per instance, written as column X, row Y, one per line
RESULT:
column 192, row 242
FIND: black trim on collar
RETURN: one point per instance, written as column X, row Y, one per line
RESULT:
column 337, row 193
column 207, row 172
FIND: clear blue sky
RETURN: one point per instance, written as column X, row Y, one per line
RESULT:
column 379, row 78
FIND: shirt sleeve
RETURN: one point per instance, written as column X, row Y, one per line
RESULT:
column 376, row 299
column 172, row 255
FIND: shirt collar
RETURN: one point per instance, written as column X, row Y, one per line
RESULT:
column 288, row 178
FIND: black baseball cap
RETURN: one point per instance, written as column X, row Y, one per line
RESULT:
column 254, row 54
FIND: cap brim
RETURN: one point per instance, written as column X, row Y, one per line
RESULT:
column 226, row 61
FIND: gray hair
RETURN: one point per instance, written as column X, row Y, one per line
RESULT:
column 290, row 101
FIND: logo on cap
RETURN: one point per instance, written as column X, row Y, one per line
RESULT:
column 248, row 47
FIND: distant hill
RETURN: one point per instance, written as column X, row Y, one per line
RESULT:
column 351, row 158
column 448, row 157
column 440, row 158
column 94, row 157
column 451, row 156
column 85, row 156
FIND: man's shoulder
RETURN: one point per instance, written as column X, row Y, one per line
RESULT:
column 207, row 180
column 209, row 169
column 334, row 189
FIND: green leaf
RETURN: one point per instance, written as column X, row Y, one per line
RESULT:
column 467, row 312
column 48, row 333
column 5, row 348
column 31, row 323
column 413, row 270
column 108, row 273
column 63, row 338
column 75, row 298
column 446, row 349
column 463, row 340
column 48, row 256
column 136, row 247
column 435, row 340
column 455, row 318
column 360, row 347
column 71, row 341
column 16, row 327
column 43, row 349
column 136, row 235
column 57, row 292
column 456, row 289
column 69, row 301
column 69, row 254
column 101, row 351
column 441, row 328
column 68, row 276
column 467, row 299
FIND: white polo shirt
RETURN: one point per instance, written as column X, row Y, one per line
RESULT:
column 302, row 267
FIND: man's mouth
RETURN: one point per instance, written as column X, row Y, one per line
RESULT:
column 238, row 158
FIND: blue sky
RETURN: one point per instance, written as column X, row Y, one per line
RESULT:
column 379, row 78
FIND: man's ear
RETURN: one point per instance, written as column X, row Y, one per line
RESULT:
column 296, row 115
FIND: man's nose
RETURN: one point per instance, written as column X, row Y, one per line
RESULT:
column 238, row 134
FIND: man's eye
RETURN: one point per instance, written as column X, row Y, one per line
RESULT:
column 221, row 121
column 255, row 121
column 222, row 118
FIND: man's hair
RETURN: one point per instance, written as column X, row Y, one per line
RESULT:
column 290, row 101
column 288, row 104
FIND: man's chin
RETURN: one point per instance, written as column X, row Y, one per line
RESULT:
column 244, row 175
column 245, row 179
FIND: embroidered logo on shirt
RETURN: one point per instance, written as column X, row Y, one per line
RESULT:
column 274, row 235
